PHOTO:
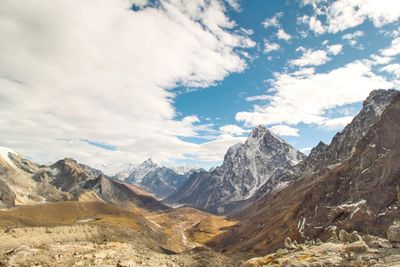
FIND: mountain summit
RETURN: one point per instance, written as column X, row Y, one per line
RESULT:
column 245, row 169
column 159, row 180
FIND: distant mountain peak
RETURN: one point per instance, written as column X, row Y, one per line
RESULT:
column 262, row 132
column 149, row 163
column 245, row 169
column 155, row 178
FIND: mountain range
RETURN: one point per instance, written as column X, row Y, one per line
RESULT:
column 350, row 184
column 268, row 190
column 246, row 168
column 160, row 180
column 23, row 182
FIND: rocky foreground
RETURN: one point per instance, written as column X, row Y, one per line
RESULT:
column 107, row 254
column 341, row 249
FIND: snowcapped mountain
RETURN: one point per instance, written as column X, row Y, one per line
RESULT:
column 159, row 180
column 245, row 169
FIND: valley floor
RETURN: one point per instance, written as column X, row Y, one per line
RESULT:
column 98, row 234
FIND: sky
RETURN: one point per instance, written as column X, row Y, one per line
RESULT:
column 112, row 82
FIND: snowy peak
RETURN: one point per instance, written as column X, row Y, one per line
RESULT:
column 246, row 168
column 159, row 180
column 261, row 132
column 263, row 139
column 148, row 164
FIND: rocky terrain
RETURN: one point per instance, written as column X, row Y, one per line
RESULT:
column 78, row 233
column 341, row 249
column 263, row 158
column 24, row 182
column 358, row 193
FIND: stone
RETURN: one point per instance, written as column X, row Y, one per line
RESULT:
column 343, row 236
column 374, row 244
column 354, row 237
column 385, row 244
column 393, row 232
column 356, row 247
column 280, row 252
column 289, row 244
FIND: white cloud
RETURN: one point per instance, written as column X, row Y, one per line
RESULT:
column 234, row 4
column 273, row 21
column 281, row 34
column 316, row 25
column 96, row 70
column 232, row 130
column 393, row 50
column 258, row 98
column 352, row 38
column 316, row 57
column 336, row 123
column 345, row 14
column 335, row 49
column 284, row 130
column 380, row 60
column 306, row 150
column 216, row 149
column 307, row 98
column 393, row 69
column 270, row 47
column 311, row 58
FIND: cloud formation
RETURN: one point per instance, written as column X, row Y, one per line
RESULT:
column 316, row 57
column 284, row 130
column 98, row 71
column 345, row 14
column 306, row 97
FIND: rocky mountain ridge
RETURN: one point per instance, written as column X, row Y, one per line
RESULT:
column 160, row 180
column 25, row 182
column 357, row 190
column 246, row 168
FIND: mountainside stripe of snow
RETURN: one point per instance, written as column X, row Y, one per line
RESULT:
column 4, row 154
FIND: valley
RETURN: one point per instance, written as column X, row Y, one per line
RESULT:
column 266, row 205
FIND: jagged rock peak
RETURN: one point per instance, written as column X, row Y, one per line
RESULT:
column 148, row 163
column 318, row 149
column 380, row 97
column 262, row 133
column 259, row 133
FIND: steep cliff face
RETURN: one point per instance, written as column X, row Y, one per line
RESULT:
column 358, row 190
column 343, row 143
column 245, row 169
column 323, row 157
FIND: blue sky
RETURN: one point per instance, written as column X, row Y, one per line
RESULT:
column 181, row 81
column 220, row 103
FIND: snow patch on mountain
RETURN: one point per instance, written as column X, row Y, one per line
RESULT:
column 4, row 153
column 246, row 168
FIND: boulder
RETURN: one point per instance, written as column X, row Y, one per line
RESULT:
column 393, row 232
column 289, row 244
